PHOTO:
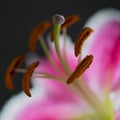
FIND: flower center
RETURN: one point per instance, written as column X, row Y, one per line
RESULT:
column 69, row 76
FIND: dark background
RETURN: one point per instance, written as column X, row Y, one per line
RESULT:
column 18, row 17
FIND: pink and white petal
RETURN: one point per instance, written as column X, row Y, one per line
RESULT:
column 104, row 44
column 54, row 106
column 59, row 103
column 53, row 103
column 17, row 103
column 49, row 112
column 60, row 90
column 96, row 21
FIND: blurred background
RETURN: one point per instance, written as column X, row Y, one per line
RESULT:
column 18, row 18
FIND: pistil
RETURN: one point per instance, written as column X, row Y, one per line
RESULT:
column 58, row 20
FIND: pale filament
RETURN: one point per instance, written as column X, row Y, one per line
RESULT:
column 38, row 74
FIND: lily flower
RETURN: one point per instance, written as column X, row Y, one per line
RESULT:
column 78, row 82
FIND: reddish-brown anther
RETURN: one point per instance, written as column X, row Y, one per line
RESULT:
column 36, row 33
column 69, row 20
column 84, row 34
column 27, row 78
column 52, row 35
column 82, row 66
column 10, row 72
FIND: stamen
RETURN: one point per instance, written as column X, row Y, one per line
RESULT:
column 84, row 34
column 49, row 76
column 37, row 32
column 64, row 45
column 20, row 70
column 10, row 72
column 69, row 20
column 82, row 66
column 42, row 74
column 27, row 77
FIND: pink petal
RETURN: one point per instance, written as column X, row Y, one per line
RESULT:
column 54, row 101
column 118, row 115
column 47, row 112
column 17, row 103
column 54, row 106
column 104, row 44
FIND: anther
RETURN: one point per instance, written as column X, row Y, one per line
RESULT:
column 69, row 20
column 36, row 33
column 27, row 77
column 52, row 35
column 10, row 72
column 58, row 19
column 84, row 34
column 82, row 66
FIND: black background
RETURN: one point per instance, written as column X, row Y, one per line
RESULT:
column 18, row 17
